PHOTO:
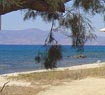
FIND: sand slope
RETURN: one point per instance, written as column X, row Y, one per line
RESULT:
column 4, row 80
column 88, row 86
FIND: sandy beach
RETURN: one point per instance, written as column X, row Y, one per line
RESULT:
column 85, row 66
column 87, row 86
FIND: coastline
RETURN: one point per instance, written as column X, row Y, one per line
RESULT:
column 77, row 67
column 73, row 80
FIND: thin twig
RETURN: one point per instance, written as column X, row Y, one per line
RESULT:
column 50, row 38
column 3, row 86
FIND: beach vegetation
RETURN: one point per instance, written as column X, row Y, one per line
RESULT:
column 66, row 74
column 40, row 81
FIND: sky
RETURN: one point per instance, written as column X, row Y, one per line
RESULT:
column 14, row 21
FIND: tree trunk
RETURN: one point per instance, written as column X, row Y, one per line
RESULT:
column 38, row 5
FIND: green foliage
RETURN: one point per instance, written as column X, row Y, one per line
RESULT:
column 30, row 14
column 8, row 3
column 92, row 6
column 46, row 16
column 80, row 27
column 54, row 54
column 50, row 58
column 73, row 19
column 49, row 17
column 53, row 4
column 37, row 59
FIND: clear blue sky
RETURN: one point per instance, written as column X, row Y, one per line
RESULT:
column 14, row 21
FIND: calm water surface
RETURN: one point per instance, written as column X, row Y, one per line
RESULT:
column 15, row 58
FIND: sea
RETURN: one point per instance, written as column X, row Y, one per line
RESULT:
column 18, row 58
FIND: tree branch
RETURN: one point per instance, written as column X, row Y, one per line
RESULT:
column 4, row 86
column 38, row 5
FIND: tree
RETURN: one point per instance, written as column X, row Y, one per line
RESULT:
column 44, row 5
column 72, row 18
column 69, row 17
column 38, row 5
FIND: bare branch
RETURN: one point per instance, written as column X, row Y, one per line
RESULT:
column 4, row 86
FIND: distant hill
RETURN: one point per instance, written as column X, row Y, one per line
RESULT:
column 27, row 36
column 100, row 40
column 37, row 36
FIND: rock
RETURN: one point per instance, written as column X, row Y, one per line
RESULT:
column 68, row 56
column 80, row 56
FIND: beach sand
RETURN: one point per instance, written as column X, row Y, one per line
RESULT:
column 85, row 66
column 87, row 86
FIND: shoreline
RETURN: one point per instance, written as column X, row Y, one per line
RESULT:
column 73, row 82
column 77, row 67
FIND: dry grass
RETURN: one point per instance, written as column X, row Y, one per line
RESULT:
column 16, row 90
column 42, row 80
column 51, row 76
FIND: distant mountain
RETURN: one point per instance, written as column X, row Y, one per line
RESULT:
column 100, row 40
column 37, row 36
column 27, row 36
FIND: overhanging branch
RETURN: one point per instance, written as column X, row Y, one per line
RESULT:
column 38, row 5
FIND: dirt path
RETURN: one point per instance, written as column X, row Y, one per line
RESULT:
column 88, row 86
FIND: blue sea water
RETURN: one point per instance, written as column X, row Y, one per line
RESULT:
column 16, row 58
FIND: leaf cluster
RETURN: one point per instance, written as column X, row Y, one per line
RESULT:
column 51, row 56
column 54, row 4
column 90, row 6
column 9, row 3
column 80, row 26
